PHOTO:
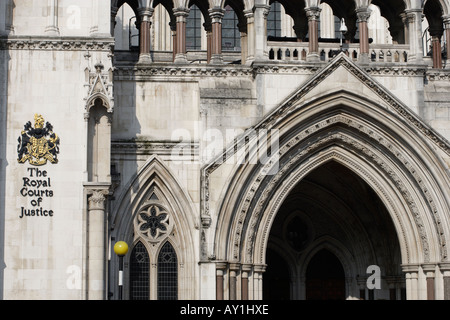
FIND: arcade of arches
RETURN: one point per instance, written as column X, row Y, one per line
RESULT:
column 230, row 33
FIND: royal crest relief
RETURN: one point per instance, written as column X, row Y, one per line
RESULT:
column 39, row 144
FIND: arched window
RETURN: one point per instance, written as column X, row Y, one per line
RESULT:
column 167, row 273
column 139, row 273
column 231, row 37
column 194, row 29
column 274, row 20
column 126, row 34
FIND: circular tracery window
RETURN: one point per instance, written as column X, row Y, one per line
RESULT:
column 153, row 221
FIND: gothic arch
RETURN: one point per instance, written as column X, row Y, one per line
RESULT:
column 444, row 6
column 395, row 185
column 95, row 98
column 377, row 140
column 155, row 186
column 335, row 247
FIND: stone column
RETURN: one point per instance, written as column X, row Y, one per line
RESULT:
column 209, row 41
column 173, row 29
column 250, row 36
column 446, row 20
column 437, row 51
column 363, row 15
column 52, row 18
column 244, row 46
column 181, row 14
column 313, row 14
column 234, row 268
column 245, row 271
column 220, row 270
column 445, row 269
column 412, row 275
column 429, row 270
column 260, row 31
column 96, row 240
column 216, row 15
column 258, row 271
column 405, row 26
column 145, row 15
column 414, row 17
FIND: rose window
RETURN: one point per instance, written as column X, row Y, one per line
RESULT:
column 153, row 221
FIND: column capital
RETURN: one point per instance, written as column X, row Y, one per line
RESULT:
column 446, row 21
column 410, row 268
column 264, row 7
column 97, row 199
column 181, row 12
column 247, row 267
column 248, row 13
column 429, row 269
column 260, row 268
column 145, row 13
column 414, row 14
column 313, row 13
column 97, row 193
column 235, row 266
column 444, row 266
column 363, row 14
column 221, row 265
column 216, row 14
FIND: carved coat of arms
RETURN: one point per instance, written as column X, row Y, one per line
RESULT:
column 39, row 144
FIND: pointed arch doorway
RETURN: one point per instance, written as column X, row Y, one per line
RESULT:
column 330, row 228
column 325, row 277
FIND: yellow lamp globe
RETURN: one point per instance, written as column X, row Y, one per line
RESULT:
column 121, row 248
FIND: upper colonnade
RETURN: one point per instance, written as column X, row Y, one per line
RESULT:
column 404, row 18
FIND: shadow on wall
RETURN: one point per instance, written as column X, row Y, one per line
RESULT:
column 125, row 131
column 4, row 61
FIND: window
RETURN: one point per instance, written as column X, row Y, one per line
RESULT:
column 274, row 20
column 231, row 37
column 139, row 273
column 194, row 29
column 167, row 273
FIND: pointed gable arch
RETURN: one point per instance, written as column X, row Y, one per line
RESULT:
column 369, row 131
column 155, row 209
column 154, row 183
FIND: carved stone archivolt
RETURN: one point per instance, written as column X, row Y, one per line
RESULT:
column 361, row 148
column 261, row 189
column 370, row 146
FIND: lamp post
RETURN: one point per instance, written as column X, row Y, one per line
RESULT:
column 121, row 249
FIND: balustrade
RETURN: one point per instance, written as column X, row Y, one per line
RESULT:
column 298, row 51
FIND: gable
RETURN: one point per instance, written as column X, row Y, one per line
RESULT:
column 343, row 75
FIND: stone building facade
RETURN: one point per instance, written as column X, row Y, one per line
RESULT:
column 243, row 149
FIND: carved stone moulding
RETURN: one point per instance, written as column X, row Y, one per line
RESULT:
column 59, row 43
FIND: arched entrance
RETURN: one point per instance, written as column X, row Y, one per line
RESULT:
column 358, row 168
column 276, row 285
column 331, row 227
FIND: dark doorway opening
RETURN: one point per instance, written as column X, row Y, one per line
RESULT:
column 325, row 278
column 276, row 284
